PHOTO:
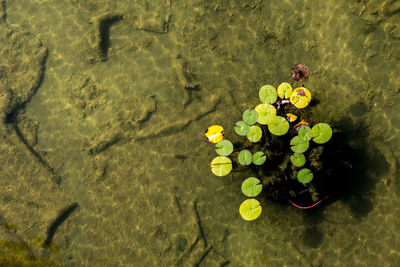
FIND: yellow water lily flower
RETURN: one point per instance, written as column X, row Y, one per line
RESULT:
column 214, row 133
column 291, row 117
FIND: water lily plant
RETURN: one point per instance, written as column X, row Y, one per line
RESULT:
column 275, row 117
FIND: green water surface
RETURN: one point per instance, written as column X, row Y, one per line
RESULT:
column 114, row 130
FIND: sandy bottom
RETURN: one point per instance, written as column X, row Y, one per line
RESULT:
column 110, row 149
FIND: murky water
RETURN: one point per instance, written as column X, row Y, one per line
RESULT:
column 103, row 158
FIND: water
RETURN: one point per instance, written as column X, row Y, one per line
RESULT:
column 117, row 120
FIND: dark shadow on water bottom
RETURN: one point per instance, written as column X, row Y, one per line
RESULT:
column 347, row 172
column 312, row 237
column 352, row 164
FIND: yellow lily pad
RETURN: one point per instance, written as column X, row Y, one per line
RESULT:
column 300, row 97
column 285, row 90
column 250, row 209
column 266, row 112
column 221, row 166
column 278, row 126
column 255, row 134
column 214, row 133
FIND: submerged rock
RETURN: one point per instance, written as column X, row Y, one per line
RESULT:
column 21, row 69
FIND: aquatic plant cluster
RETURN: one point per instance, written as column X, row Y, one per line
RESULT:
column 275, row 137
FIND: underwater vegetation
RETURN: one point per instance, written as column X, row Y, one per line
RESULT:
column 282, row 146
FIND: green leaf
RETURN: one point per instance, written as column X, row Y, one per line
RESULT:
column 250, row 209
column 322, row 132
column 250, row 116
column 268, row 94
column 298, row 159
column 245, row 157
column 251, row 187
column 285, row 90
column 242, row 128
column 298, row 145
column 305, row 133
column 255, row 134
column 224, row 147
column 221, row 166
column 259, row 158
column 305, row 176
column 266, row 112
column 278, row 126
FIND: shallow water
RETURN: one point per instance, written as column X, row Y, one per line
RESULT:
column 116, row 126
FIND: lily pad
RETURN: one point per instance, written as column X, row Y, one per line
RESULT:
column 266, row 112
column 224, row 148
column 268, row 94
column 242, row 128
column 305, row 176
column 305, row 133
column 250, row 116
column 278, row 126
column 214, row 133
column 298, row 159
column 300, row 97
column 285, row 90
column 221, row 166
column 298, row 145
column 321, row 132
column 250, row 209
column 255, row 134
column 245, row 157
column 259, row 158
column 251, row 187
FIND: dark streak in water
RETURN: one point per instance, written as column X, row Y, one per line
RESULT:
column 203, row 256
column 178, row 204
column 192, row 246
column 201, row 230
column 62, row 216
column 55, row 177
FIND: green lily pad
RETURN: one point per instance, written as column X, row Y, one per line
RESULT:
column 285, row 90
column 298, row 145
column 221, row 166
column 322, row 132
column 242, row 128
column 268, row 94
column 259, row 158
column 250, row 116
column 278, row 126
column 298, row 159
column 224, row 147
column 245, row 157
column 251, row 187
column 255, row 134
column 266, row 112
column 305, row 176
column 250, row 209
column 305, row 133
